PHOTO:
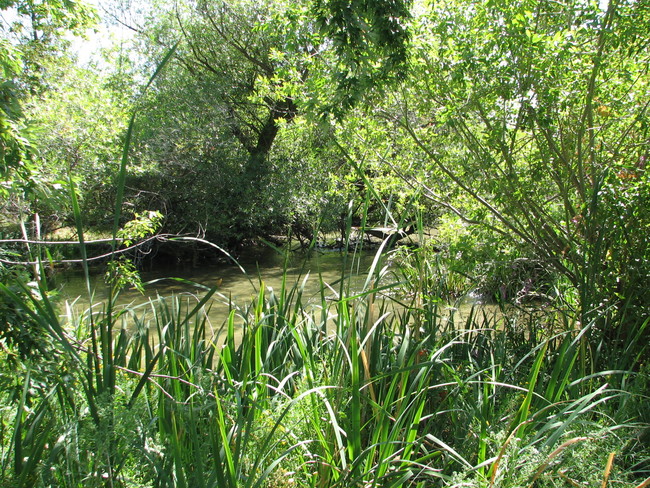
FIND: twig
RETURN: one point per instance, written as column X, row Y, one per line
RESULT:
column 159, row 237
column 52, row 243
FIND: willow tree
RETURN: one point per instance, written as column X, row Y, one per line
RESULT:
column 210, row 143
column 246, row 72
column 538, row 113
column 241, row 50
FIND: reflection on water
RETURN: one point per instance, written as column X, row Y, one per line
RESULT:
column 339, row 272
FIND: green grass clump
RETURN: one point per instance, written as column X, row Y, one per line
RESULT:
column 359, row 390
column 373, row 386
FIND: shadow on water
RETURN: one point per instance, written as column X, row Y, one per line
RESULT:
column 321, row 275
column 263, row 267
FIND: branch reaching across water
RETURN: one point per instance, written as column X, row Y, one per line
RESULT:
column 136, row 246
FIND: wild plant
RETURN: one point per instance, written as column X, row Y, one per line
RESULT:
column 373, row 385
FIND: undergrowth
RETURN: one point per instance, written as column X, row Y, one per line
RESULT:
column 360, row 390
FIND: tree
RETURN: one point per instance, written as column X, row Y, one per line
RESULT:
column 212, row 128
column 37, row 33
column 48, row 21
column 538, row 112
column 247, row 71
column 237, row 47
column 14, row 147
column 42, row 30
column 370, row 39
column 79, row 125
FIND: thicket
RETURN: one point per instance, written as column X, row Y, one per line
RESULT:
column 519, row 130
column 375, row 386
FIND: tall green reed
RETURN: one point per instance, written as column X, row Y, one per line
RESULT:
column 365, row 386
column 366, row 400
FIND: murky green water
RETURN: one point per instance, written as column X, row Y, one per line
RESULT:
column 240, row 284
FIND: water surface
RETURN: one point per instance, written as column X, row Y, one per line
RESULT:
column 239, row 284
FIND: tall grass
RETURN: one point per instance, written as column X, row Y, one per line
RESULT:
column 371, row 386
column 375, row 386
column 349, row 391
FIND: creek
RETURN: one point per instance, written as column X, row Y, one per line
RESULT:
column 240, row 283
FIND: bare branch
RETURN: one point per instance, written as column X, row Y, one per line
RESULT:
column 159, row 237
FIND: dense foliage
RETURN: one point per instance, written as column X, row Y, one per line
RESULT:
column 509, row 139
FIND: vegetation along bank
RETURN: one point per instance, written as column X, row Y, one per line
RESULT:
column 509, row 140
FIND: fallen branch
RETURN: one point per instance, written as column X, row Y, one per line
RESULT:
column 158, row 237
